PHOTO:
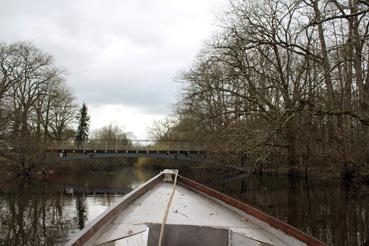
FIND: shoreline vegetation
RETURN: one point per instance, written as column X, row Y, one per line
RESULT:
column 10, row 171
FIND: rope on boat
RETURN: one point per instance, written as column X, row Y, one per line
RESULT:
column 167, row 209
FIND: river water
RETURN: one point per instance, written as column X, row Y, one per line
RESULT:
column 49, row 213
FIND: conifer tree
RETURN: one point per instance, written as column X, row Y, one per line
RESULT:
column 83, row 125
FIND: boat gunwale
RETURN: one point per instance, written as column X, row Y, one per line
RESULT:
column 92, row 227
column 274, row 222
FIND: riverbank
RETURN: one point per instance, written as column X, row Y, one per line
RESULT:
column 198, row 171
column 193, row 169
column 7, row 170
column 299, row 172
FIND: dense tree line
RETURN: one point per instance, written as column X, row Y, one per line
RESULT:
column 284, row 76
column 36, row 106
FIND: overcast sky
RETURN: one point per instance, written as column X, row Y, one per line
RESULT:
column 121, row 56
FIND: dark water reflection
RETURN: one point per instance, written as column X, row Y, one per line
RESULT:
column 332, row 212
column 49, row 213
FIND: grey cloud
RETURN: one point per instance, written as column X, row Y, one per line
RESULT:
column 115, row 51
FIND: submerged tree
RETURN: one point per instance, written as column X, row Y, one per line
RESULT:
column 83, row 125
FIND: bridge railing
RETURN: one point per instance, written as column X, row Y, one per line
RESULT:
column 131, row 145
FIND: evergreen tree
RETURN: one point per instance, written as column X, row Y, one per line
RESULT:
column 82, row 131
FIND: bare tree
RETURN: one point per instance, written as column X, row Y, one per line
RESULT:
column 36, row 106
column 287, row 77
column 110, row 136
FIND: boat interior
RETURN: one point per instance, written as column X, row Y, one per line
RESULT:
column 185, row 235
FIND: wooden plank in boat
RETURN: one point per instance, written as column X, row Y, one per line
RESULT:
column 184, row 235
column 138, row 239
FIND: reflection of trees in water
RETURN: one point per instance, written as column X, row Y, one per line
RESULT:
column 81, row 210
column 30, row 218
column 326, row 209
column 292, row 196
column 42, row 214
